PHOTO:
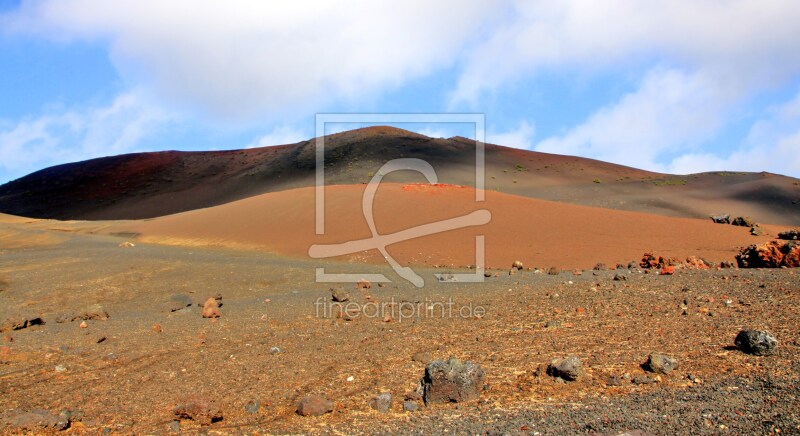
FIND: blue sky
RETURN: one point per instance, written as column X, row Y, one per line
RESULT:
column 675, row 86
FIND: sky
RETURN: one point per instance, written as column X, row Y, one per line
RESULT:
column 678, row 86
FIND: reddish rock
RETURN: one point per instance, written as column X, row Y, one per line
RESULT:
column 199, row 409
column 157, row 328
column 314, row 405
column 668, row 270
column 363, row 284
column 694, row 262
column 211, row 309
column 773, row 254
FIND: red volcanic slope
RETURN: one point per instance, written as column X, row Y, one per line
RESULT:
column 537, row 232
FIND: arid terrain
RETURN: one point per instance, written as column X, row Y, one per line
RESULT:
column 108, row 266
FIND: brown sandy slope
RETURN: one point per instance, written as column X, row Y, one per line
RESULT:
column 147, row 185
column 537, row 232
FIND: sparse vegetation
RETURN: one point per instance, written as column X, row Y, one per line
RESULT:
column 670, row 182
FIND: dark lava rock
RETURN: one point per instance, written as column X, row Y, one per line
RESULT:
column 451, row 381
column 339, row 295
column 198, row 409
column 569, row 368
column 661, row 364
column 756, row 342
column 314, row 405
column 381, row 402
column 743, row 221
column 721, row 219
column 38, row 420
column 756, row 231
column 620, row 277
column 20, row 322
column 792, row 235
column 600, row 267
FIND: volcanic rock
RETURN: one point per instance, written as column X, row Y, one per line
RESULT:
column 211, row 309
column 198, row 409
column 773, row 254
column 20, row 322
column 314, row 405
column 791, row 235
column 569, row 368
column 661, row 364
column 756, row 342
column 381, row 402
column 339, row 295
column 721, row 219
column 451, row 381
column 743, row 221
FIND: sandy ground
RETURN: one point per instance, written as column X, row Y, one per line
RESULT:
column 130, row 381
column 536, row 232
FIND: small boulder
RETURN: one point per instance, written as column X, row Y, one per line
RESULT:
column 211, row 309
column 721, row 219
column 600, row 267
column 791, row 235
column 339, row 295
column 667, row 270
column 661, row 364
column 756, row 342
column 569, row 368
column 198, row 409
column 451, row 381
column 363, row 284
column 517, row 265
column 381, row 402
column 410, row 406
column 620, row 277
column 553, row 271
column 743, row 221
column 314, row 405
column 756, row 231
column 773, row 254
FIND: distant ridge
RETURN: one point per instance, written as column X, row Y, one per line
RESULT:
column 146, row 185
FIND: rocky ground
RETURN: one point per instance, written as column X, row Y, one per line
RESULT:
column 132, row 352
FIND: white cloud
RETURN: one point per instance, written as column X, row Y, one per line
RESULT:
column 521, row 137
column 670, row 111
column 245, row 58
column 746, row 43
column 772, row 143
column 279, row 136
column 75, row 134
